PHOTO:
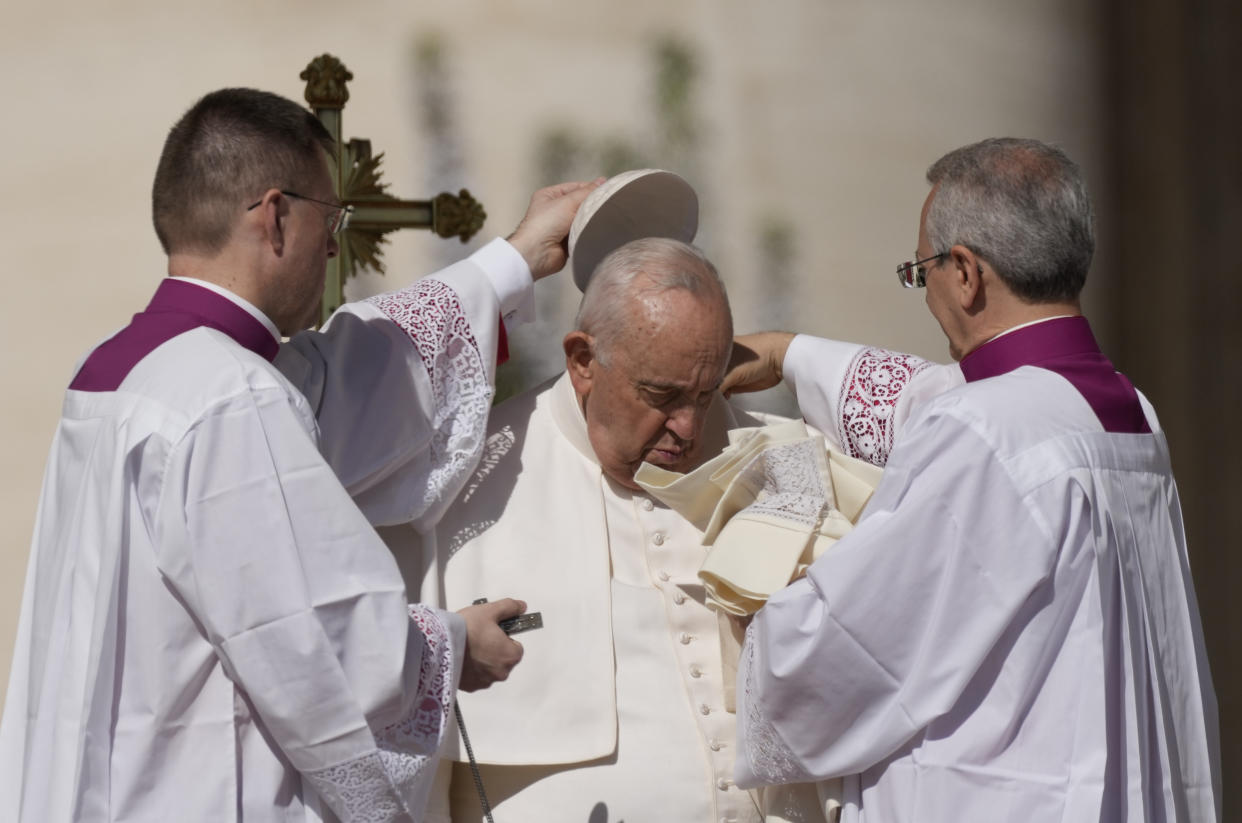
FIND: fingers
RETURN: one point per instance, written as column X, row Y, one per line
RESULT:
column 756, row 362
column 490, row 653
column 572, row 187
column 506, row 608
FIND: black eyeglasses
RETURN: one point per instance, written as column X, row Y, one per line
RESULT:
column 914, row 275
column 337, row 220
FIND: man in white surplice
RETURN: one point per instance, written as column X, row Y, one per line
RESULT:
column 211, row 629
column 618, row 711
column 1010, row 633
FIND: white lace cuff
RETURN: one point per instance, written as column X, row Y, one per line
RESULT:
column 764, row 752
column 432, row 315
column 390, row 784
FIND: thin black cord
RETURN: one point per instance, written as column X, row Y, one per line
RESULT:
column 474, row 766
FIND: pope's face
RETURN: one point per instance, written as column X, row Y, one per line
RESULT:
column 650, row 401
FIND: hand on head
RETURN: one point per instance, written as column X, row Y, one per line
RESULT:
column 756, row 362
column 541, row 238
column 490, row 654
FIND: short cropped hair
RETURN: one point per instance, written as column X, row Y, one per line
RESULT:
column 232, row 145
column 1022, row 206
column 640, row 268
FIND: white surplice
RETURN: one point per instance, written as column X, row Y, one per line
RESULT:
column 1010, row 633
column 211, row 630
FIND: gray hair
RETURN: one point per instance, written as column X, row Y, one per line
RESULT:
column 1022, row 206
column 638, row 269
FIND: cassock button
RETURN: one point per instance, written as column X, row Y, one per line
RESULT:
column 684, row 639
column 679, row 598
column 723, row 784
column 648, row 505
column 705, row 709
column 715, row 745
column 663, row 576
column 695, row 671
column 658, row 538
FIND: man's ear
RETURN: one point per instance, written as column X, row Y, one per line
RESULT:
column 967, row 276
column 273, row 209
column 580, row 360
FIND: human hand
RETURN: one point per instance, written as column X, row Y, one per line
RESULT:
column 756, row 361
column 542, row 236
column 490, row 654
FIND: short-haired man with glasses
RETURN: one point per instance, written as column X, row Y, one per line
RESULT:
column 1011, row 632
column 211, row 628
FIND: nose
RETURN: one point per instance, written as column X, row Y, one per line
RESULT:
column 334, row 246
column 687, row 421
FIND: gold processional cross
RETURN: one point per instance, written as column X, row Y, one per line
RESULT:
column 356, row 176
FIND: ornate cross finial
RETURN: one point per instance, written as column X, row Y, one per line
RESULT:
column 325, row 78
column 356, row 175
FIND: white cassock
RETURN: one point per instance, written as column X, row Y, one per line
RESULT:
column 211, row 629
column 617, row 711
column 1010, row 633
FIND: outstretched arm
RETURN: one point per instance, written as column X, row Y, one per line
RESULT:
column 860, row 397
column 401, row 383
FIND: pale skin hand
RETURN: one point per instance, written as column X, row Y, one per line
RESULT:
column 756, row 362
column 490, row 654
column 542, row 236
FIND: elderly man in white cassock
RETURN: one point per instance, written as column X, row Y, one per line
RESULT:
column 1011, row 632
column 619, row 710
column 211, row 628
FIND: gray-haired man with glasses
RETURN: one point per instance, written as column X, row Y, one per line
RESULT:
column 211, row 628
column 1011, row 632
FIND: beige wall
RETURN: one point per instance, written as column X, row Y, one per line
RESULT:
column 824, row 112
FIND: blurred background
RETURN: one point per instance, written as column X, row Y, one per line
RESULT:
column 806, row 127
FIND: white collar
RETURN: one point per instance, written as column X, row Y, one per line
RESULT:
column 1024, row 325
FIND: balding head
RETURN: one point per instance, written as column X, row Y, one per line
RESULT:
column 634, row 277
column 651, row 346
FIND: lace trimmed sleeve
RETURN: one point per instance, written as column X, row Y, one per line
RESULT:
column 433, row 317
column 867, row 408
column 765, row 754
column 391, row 783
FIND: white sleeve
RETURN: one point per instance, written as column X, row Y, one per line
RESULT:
column 305, row 608
column 401, row 383
column 889, row 627
column 861, row 397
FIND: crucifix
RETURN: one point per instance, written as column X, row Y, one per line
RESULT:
column 356, row 176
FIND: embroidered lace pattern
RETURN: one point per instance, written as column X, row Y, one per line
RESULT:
column 790, row 484
column 873, row 384
column 431, row 314
column 384, row 784
column 770, row 758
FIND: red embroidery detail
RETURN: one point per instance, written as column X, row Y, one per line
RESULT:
column 873, row 385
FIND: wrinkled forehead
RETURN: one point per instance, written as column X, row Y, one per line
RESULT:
column 677, row 338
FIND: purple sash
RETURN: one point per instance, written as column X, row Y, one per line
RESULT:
column 1066, row 346
column 176, row 308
